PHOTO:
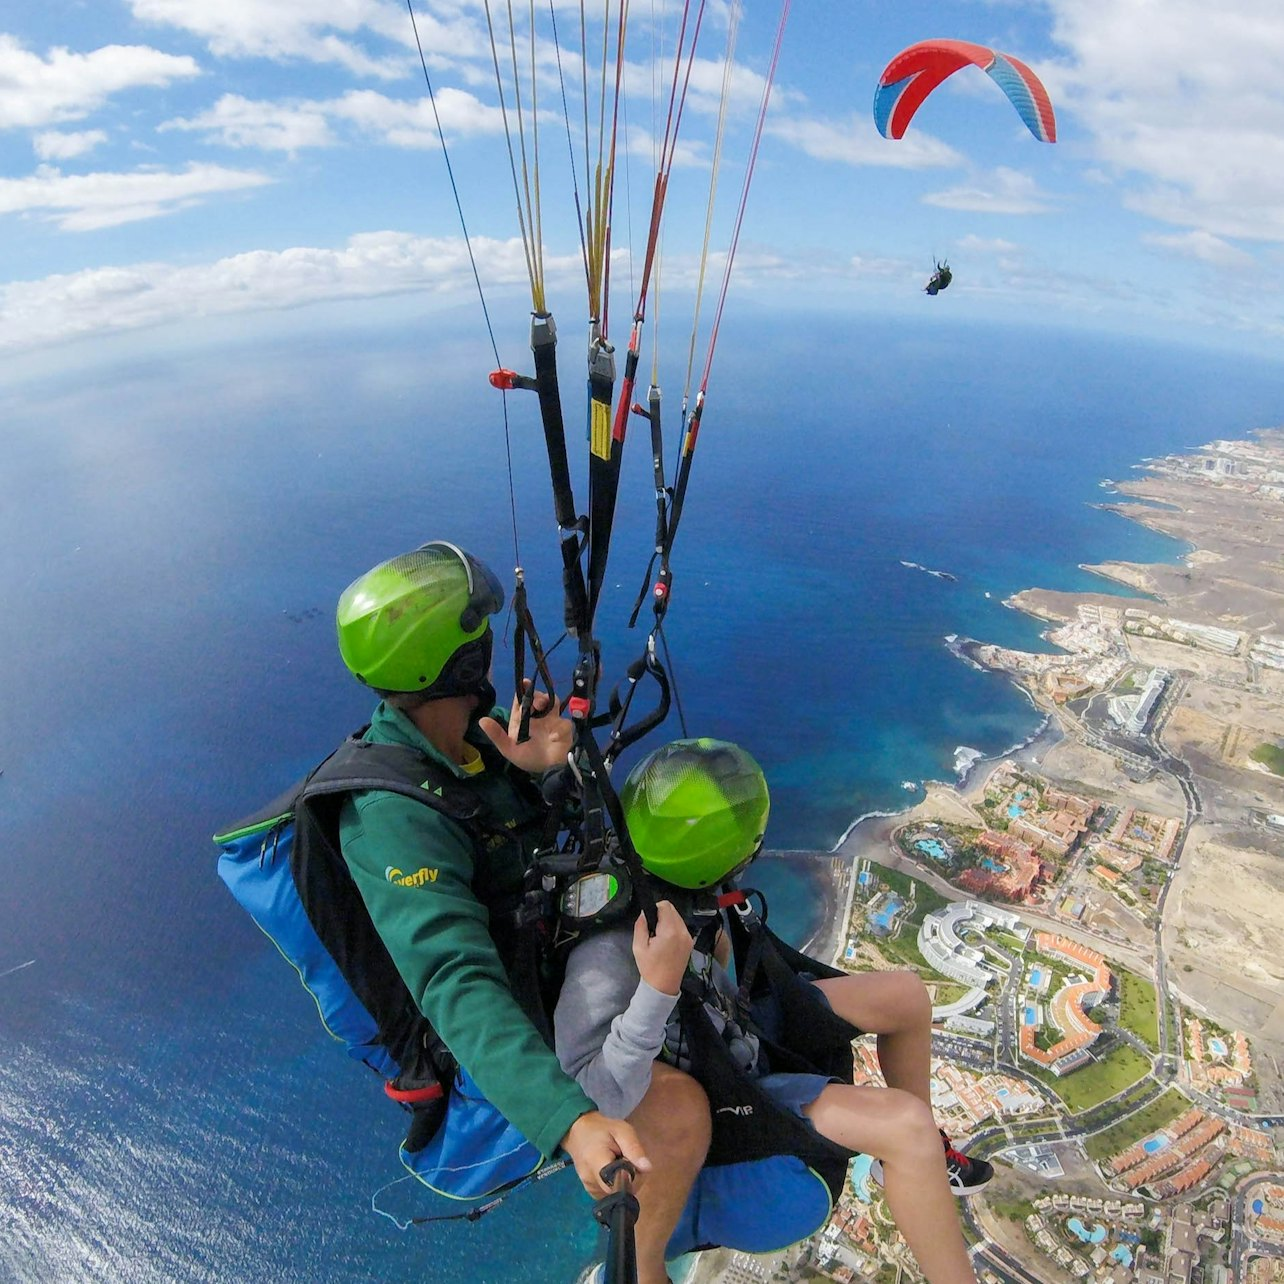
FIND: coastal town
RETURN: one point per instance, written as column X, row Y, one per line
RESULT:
column 1095, row 915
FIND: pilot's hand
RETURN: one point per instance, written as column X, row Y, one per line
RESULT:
column 550, row 734
column 594, row 1141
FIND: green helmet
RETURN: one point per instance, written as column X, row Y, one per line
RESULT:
column 696, row 811
column 418, row 623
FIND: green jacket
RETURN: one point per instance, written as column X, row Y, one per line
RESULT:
column 430, row 895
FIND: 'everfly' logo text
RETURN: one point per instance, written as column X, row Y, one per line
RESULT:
column 417, row 879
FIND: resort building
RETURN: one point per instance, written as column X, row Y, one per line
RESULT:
column 1220, row 1063
column 1067, row 1008
column 1054, row 832
column 1132, row 713
column 1209, row 636
column 1268, row 651
column 1144, row 835
column 941, row 946
column 977, row 1027
column 1117, row 858
column 1010, row 869
column 1176, row 1158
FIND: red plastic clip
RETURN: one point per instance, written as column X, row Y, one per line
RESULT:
column 578, row 707
column 413, row 1096
column 504, row 380
column 661, row 590
column 726, row 899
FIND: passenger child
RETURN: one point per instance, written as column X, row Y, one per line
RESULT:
column 696, row 811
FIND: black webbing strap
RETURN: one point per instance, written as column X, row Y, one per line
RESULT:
column 524, row 629
column 544, row 350
column 684, row 475
column 545, row 385
column 647, row 664
column 606, row 450
column 597, row 781
column 747, row 964
column 659, row 590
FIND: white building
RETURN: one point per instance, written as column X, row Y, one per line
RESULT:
column 940, row 945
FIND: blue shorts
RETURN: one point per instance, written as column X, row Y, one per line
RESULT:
column 790, row 1092
column 794, row 1091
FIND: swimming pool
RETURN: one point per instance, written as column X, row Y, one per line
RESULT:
column 1153, row 1144
column 1036, row 977
column 1030, row 1016
column 994, row 866
column 1122, row 1255
column 864, row 878
column 1093, row 1236
column 934, row 848
column 1217, row 1047
column 861, row 1178
column 882, row 921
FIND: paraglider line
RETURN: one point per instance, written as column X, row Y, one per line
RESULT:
column 472, row 260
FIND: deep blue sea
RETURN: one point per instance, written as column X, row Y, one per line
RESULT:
column 174, row 532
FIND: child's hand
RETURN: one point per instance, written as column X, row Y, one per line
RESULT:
column 662, row 958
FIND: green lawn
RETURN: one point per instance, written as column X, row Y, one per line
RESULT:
column 948, row 992
column 1138, row 1007
column 1013, row 944
column 925, row 898
column 1095, row 1083
column 1270, row 756
column 1126, row 1132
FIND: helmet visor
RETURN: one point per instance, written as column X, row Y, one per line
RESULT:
column 485, row 592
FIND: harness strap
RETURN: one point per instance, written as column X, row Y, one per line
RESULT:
column 525, row 629
column 610, row 801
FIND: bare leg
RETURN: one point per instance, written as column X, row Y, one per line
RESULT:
column 672, row 1121
column 895, row 1007
column 895, row 1126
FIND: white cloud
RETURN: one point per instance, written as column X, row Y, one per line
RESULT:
column 987, row 245
column 1006, row 191
column 855, row 142
column 36, row 91
column 83, row 202
column 238, row 122
column 411, row 124
column 289, row 126
column 1203, row 247
column 324, row 31
column 52, row 145
column 372, row 264
column 1183, row 102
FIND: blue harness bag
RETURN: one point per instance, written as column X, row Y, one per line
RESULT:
column 283, row 865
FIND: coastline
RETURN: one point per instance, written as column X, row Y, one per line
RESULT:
column 1223, row 579
column 869, row 837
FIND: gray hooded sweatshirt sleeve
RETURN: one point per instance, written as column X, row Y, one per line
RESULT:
column 609, row 1023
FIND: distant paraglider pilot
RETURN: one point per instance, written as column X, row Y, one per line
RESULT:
column 939, row 280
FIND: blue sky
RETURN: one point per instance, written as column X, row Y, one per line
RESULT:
column 168, row 162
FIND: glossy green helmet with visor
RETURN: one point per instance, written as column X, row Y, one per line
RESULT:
column 419, row 623
column 696, row 811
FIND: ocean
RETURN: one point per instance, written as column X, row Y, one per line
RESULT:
column 174, row 532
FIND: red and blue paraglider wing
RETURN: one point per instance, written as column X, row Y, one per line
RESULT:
column 914, row 72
